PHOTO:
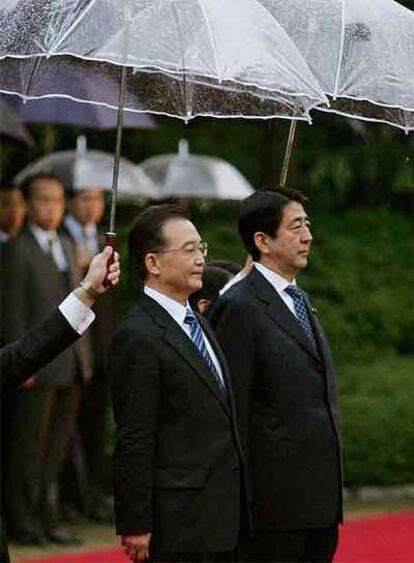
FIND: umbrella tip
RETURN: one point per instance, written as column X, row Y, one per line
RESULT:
column 81, row 144
column 183, row 148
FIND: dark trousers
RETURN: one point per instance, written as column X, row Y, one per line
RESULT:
column 164, row 557
column 318, row 545
column 42, row 421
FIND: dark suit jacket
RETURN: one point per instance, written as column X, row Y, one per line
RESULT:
column 286, row 398
column 36, row 348
column 177, row 457
column 33, row 288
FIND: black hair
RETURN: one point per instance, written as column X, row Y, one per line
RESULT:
column 214, row 279
column 263, row 212
column 28, row 183
column 146, row 234
column 232, row 268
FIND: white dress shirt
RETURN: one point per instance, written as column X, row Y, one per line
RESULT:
column 279, row 283
column 49, row 242
column 78, row 315
column 178, row 313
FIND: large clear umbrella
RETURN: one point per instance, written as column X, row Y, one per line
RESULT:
column 361, row 51
column 225, row 58
column 187, row 175
column 82, row 168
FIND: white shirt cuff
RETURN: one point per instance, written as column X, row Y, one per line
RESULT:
column 78, row 315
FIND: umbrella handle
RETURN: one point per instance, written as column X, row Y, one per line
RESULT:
column 110, row 240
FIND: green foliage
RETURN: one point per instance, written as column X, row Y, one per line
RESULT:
column 377, row 417
column 360, row 277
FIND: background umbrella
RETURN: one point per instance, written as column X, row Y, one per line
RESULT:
column 11, row 125
column 186, row 58
column 82, row 168
column 187, row 175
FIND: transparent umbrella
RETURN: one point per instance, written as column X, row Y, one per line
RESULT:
column 225, row 58
column 187, row 175
column 185, row 58
column 83, row 168
column 361, row 51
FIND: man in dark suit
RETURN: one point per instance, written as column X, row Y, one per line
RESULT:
column 177, row 458
column 283, row 377
column 41, row 269
column 85, row 212
column 63, row 326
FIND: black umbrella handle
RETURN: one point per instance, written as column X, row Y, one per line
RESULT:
column 110, row 240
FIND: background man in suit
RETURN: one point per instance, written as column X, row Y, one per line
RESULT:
column 12, row 211
column 283, row 377
column 85, row 211
column 41, row 269
column 63, row 326
column 177, row 457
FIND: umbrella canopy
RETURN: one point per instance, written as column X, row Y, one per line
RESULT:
column 186, row 175
column 226, row 58
column 82, row 168
column 64, row 111
column 361, row 51
column 11, row 125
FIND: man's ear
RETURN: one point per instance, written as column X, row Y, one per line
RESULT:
column 151, row 264
column 203, row 305
column 261, row 240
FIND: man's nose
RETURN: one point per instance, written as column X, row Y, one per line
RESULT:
column 307, row 235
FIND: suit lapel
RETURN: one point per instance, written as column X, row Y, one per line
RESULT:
column 279, row 312
column 176, row 338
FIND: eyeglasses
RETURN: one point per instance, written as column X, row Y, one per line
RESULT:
column 189, row 249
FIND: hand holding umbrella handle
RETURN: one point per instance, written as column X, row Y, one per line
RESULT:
column 110, row 240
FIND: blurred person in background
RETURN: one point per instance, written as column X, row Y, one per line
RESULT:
column 41, row 270
column 12, row 211
column 84, row 473
column 214, row 279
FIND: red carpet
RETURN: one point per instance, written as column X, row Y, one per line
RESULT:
column 377, row 539
column 105, row 556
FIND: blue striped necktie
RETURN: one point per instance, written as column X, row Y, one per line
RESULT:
column 199, row 342
column 301, row 310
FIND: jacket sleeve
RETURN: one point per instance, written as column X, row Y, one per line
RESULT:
column 24, row 357
column 134, row 374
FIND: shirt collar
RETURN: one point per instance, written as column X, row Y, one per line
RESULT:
column 41, row 235
column 75, row 228
column 4, row 237
column 277, row 281
column 174, row 308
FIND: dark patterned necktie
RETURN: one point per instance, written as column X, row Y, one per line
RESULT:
column 301, row 310
column 199, row 342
